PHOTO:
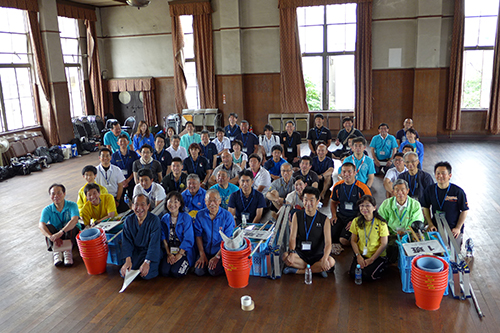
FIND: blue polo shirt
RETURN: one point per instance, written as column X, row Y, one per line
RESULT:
column 383, row 147
column 225, row 194
column 164, row 158
column 273, row 167
column 124, row 162
column 364, row 167
column 249, row 140
column 321, row 167
column 199, row 167
column 208, row 152
column 452, row 201
column 50, row 215
column 208, row 229
column 246, row 205
column 196, row 202
column 232, row 132
column 112, row 140
column 140, row 140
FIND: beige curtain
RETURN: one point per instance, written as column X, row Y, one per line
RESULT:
column 95, row 79
column 456, row 64
column 363, row 67
column 180, row 83
column 30, row 5
column 493, row 120
column 292, row 87
column 43, row 76
column 204, row 55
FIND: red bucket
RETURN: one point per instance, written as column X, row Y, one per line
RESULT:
column 237, row 265
column 96, row 265
column 429, row 287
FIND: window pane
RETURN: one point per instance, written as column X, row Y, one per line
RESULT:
column 68, row 27
column 187, row 24
column 24, row 82
column 192, row 87
column 314, row 15
column 487, row 31
column 12, row 20
column 28, row 113
column 478, row 68
column 341, row 38
column 75, row 91
column 481, row 8
column 341, row 82
column 471, row 32
column 341, row 13
column 311, row 39
column 9, row 85
column 189, row 46
column 313, row 79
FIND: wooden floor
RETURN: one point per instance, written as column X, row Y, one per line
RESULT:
column 37, row 297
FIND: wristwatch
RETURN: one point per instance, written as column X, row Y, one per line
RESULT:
column 291, row 251
column 147, row 261
column 217, row 256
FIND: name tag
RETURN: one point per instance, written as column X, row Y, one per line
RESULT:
column 349, row 206
column 244, row 149
column 174, row 250
column 289, row 150
column 124, row 171
column 231, row 138
column 365, row 251
column 317, row 141
column 306, row 246
column 382, row 152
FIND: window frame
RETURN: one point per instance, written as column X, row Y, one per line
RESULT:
column 325, row 58
column 191, row 60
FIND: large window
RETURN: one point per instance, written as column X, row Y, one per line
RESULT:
column 479, row 41
column 327, row 40
column 17, row 109
column 192, row 96
column 72, row 57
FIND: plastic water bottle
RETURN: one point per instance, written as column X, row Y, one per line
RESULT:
column 308, row 278
column 358, row 277
column 125, row 199
column 469, row 246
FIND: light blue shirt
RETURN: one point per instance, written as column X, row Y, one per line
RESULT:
column 112, row 140
column 50, row 215
column 225, row 194
column 364, row 167
column 187, row 140
column 384, row 147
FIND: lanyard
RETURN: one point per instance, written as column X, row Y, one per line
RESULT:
column 243, row 139
column 414, row 184
column 369, row 233
column 245, row 208
column 350, row 191
column 320, row 166
column 105, row 174
column 159, row 157
column 267, row 143
column 318, row 135
column 195, row 166
column 354, row 159
column 402, row 217
column 123, row 164
column 305, row 224
column 441, row 204
column 231, row 132
column 290, row 140
column 204, row 148
column 177, row 184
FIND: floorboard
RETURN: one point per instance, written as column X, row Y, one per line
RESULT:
column 37, row 297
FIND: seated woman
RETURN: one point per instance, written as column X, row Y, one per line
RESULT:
column 98, row 207
column 294, row 198
column 418, row 147
column 239, row 157
column 310, row 238
column 369, row 240
column 58, row 222
column 141, row 240
column 198, row 164
column 142, row 137
column 178, row 238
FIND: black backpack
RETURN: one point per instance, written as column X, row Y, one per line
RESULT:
column 56, row 154
column 44, row 152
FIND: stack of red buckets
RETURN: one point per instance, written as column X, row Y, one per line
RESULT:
column 237, row 265
column 429, row 287
column 94, row 253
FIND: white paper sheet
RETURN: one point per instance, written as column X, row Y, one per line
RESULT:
column 129, row 277
column 66, row 246
column 107, row 226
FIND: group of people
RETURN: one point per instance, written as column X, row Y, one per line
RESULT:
column 210, row 186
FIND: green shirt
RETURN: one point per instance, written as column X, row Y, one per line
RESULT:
column 389, row 211
column 187, row 140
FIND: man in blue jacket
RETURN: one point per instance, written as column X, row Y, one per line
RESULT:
column 207, row 224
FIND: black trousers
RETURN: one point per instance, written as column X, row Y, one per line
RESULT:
column 177, row 270
column 67, row 235
column 371, row 272
column 338, row 228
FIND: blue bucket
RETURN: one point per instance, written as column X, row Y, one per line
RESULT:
column 430, row 264
column 90, row 234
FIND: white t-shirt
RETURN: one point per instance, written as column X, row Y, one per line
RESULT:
column 293, row 199
column 262, row 178
column 157, row 193
column 109, row 179
column 268, row 144
column 225, row 144
column 393, row 174
column 180, row 152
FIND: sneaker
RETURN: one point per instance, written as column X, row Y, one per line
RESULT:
column 324, row 274
column 289, row 270
column 68, row 258
column 57, row 259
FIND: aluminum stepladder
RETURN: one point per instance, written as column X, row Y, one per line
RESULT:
column 278, row 243
column 460, row 284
